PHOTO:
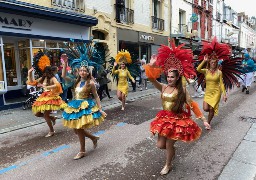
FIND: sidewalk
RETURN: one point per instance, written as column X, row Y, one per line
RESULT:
column 14, row 119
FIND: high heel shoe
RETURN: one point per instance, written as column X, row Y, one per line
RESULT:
column 50, row 134
column 79, row 155
column 95, row 142
column 165, row 170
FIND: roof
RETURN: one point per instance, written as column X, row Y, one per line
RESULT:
column 33, row 10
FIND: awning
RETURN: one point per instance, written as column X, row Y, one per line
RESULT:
column 32, row 10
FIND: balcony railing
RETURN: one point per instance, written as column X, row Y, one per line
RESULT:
column 157, row 23
column 124, row 15
column 76, row 5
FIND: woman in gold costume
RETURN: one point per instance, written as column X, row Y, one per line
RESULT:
column 214, row 85
column 174, row 122
column 82, row 112
column 122, row 58
column 49, row 100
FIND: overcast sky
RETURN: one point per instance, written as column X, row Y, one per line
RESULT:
column 247, row 6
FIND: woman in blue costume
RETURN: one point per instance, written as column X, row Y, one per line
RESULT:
column 83, row 112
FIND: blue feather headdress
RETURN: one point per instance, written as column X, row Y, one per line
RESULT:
column 83, row 54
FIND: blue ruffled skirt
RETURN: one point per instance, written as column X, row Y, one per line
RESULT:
column 82, row 114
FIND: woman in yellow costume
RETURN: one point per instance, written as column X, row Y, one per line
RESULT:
column 219, row 72
column 84, row 110
column 122, row 58
column 214, row 86
column 49, row 100
column 174, row 122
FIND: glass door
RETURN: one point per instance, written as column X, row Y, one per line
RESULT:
column 10, row 64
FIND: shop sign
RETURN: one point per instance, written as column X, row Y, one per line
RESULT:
column 15, row 22
column 146, row 38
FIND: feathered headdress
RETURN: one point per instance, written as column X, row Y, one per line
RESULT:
column 40, row 61
column 230, row 67
column 123, row 56
column 82, row 55
column 176, row 58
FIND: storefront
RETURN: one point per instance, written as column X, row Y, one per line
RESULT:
column 26, row 28
column 140, row 43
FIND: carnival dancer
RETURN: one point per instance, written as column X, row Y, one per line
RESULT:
column 248, row 68
column 174, row 122
column 122, row 58
column 85, row 110
column 219, row 73
column 49, row 100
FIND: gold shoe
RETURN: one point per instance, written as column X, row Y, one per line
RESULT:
column 95, row 142
column 165, row 170
column 49, row 134
column 79, row 155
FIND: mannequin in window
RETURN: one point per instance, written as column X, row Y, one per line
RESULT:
column 8, row 61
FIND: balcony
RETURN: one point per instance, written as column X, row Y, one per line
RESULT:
column 75, row 5
column 157, row 23
column 124, row 15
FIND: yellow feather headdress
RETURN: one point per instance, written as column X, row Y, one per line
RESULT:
column 123, row 56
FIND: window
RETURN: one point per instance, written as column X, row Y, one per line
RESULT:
column 98, row 35
column 77, row 5
column 210, row 1
column 182, row 25
column 123, row 12
column 156, row 8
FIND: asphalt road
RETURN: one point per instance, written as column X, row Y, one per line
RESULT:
column 125, row 150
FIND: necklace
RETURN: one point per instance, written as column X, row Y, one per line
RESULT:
column 172, row 89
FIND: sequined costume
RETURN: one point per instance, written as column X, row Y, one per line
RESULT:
column 122, row 80
column 176, row 126
column 82, row 112
column 49, row 99
column 214, row 87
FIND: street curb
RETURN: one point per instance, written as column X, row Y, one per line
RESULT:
column 105, row 106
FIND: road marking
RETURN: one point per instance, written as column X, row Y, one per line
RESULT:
column 47, row 153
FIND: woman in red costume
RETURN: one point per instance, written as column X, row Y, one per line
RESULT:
column 174, row 122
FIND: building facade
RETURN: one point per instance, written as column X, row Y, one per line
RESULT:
column 26, row 27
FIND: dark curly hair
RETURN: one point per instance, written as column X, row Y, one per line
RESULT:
column 48, row 73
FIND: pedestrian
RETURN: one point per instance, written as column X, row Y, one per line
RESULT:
column 174, row 122
column 122, row 58
column 219, row 72
column 247, row 69
column 82, row 112
column 143, row 76
column 103, row 82
column 49, row 100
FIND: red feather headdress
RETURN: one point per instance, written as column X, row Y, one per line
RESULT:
column 230, row 67
column 170, row 58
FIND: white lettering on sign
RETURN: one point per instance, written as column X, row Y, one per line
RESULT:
column 147, row 38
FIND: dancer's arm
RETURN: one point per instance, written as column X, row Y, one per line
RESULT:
column 31, row 81
column 200, row 67
column 97, row 99
column 195, row 108
column 222, row 87
column 114, row 71
column 64, row 68
column 130, row 77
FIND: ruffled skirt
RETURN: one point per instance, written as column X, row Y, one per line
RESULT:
column 82, row 114
column 176, row 127
column 48, row 101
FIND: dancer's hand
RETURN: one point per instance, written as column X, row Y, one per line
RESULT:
column 206, row 57
column 103, row 113
column 207, row 125
column 115, row 64
column 225, row 98
column 153, row 60
column 133, row 81
column 31, row 70
column 64, row 57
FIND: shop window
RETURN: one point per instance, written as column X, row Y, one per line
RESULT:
column 133, row 48
column 23, row 44
column 38, row 43
column 10, row 64
column 98, row 35
column 50, row 44
column 1, row 68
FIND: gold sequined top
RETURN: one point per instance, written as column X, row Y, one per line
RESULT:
column 83, row 92
column 168, row 100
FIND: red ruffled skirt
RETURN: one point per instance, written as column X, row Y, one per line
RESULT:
column 175, row 126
